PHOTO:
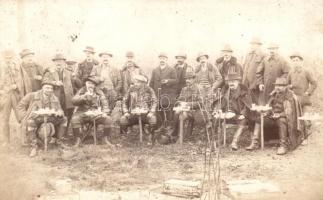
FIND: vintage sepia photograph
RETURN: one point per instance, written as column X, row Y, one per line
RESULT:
column 161, row 99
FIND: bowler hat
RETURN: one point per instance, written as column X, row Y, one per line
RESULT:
column 273, row 46
column 281, row 81
column 130, row 54
column 89, row 49
column 71, row 62
column 93, row 79
column 182, row 55
column 255, row 40
column 26, row 52
column 106, row 53
column 296, row 54
column 162, row 55
column 200, row 55
column 141, row 78
column 227, row 48
column 233, row 76
column 58, row 56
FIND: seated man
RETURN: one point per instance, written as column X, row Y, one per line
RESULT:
column 34, row 101
column 140, row 97
column 235, row 99
column 284, row 114
column 190, row 96
column 90, row 98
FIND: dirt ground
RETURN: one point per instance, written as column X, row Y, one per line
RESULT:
column 135, row 167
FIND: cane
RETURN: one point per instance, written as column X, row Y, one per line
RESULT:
column 94, row 132
column 181, row 127
column 262, row 142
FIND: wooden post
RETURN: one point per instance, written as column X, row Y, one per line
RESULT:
column 262, row 130
column 140, row 129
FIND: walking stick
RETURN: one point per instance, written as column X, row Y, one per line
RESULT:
column 45, row 133
column 181, row 127
column 94, row 132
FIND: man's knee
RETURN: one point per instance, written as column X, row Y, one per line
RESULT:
column 124, row 121
column 152, row 119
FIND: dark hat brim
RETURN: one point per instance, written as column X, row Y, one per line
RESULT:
column 22, row 55
column 198, row 58
column 109, row 54
column 90, row 51
column 294, row 56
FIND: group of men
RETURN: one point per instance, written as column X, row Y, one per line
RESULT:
column 73, row 89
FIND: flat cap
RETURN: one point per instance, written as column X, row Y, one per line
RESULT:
column 296, row 54
column 162, row 54
column 89, row 49
column 130, row 54
column 227, row 48
column 181, row 55
column 256, row 40
column 141, row 78
column 106, row 53
column 58, row 56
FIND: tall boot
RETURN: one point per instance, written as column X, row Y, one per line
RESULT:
column 105, row 137
column 282, row 149
column 60, row 135
column 77, row 136
column 32, row 139
column 235, row 140
column 255, row 138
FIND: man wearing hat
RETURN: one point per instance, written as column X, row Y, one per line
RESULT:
column 284, row 115
column 208, row 78
column 31, row 121
column 181, row 68
column 31, row 72
column 164, row 82
column 128, row 72
column 228, row 63
column 84, row 68
column 88, row 98
column 236, row 99
column 301, row 80
column 189, row 96
column 140, row 96
column 251, row 62
column 11, row 92
column 61, row 75
column 272, row 67
column 110, row 78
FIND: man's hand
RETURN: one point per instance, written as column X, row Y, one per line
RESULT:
column 38, row 77
column 275, row 115
column 306, row 94
column 150, row 114
column 241, row 117
column 164, row 81
column 59, row 83
column 127, row 114
column 261, row 87
column 13, row 87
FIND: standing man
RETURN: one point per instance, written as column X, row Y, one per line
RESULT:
column 90, row 98
column 31, row 73
column 84, row 68
column 164, row 82
column 272, row 67
column 252, row 61
column 109, row 77
column 301, row 80
column 181, row 68
column 228, row 63
column 208, row 79
column 11, row 93
column 61, row 76
column 128, row 72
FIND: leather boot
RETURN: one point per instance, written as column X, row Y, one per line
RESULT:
column 254, row 139
column 77, row 136
column 105, row 137
column 282, row 149
column 235, row 140
column 60, row 135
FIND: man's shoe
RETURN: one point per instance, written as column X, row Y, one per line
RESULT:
column 234, row 146
column 253, row 146
column 78, row 142
column 107, row 142
column 281, row 150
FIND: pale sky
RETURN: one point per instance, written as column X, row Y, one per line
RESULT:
column 148, row 27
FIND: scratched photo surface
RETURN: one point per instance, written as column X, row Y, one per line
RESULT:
column 200, row 167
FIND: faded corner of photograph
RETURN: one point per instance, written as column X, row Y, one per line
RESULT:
column 163, row 99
